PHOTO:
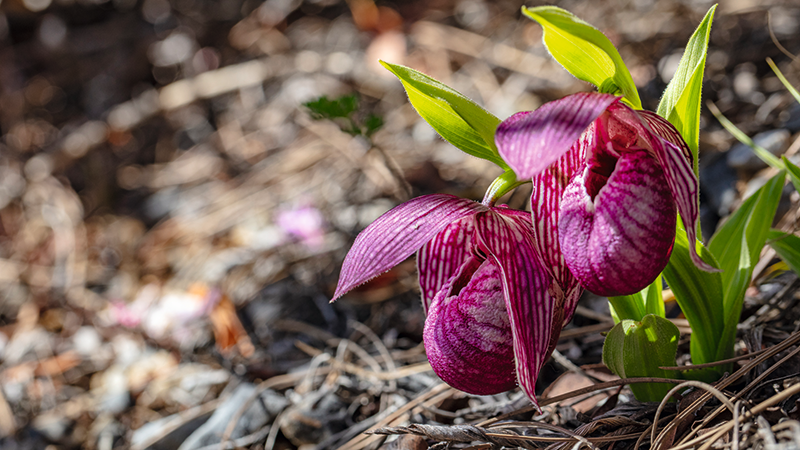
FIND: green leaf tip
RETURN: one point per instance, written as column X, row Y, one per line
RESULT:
column 681, row 101
column 584, row 51
column 458, row 120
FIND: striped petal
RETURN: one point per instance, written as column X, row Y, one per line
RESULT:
column 396, row 235
column 526, row 289
column 676, row 162
column 467, row 332
column 619, row 241
column 530, row 141
column 440, row 258
column 548, row 189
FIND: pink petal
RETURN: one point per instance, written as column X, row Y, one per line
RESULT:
column 548, row 189
column 663, row 128
column 530, row 141
column 394, row 236
column 677, row 168
column 618, row 243
column 526, row 288
column 467, row 332
column 440, row 258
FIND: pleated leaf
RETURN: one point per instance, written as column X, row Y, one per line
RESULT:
column 459, row 120
column 584, row 52
column 698, row 293
column 637, row 349
column 744, row 232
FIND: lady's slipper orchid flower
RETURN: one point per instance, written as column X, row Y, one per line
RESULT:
column 493, row 311
column 608, row 182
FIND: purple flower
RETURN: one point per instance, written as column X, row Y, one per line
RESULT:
column 608, row 182
column 494, row 312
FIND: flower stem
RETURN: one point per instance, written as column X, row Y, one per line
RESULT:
column 501, row 186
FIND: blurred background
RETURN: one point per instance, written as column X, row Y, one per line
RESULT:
column 173, row 218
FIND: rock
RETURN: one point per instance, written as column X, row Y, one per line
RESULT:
column 742, row 157
column 790, row 119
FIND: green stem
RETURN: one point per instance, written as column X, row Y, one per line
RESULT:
column 501, row 186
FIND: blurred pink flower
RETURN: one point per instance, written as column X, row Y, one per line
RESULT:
column 304, row 223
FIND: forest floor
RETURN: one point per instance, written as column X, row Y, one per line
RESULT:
column 173, row 221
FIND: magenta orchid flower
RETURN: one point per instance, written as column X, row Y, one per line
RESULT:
column 493, row 312
column 608, row 182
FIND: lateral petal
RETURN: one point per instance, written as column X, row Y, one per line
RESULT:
column 397, row 234
column 565, row 289
column 546, row 197
column 525, row 287
column 530, row 141
column 441, row 257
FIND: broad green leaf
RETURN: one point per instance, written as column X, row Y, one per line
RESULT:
column 635, row 306
column 788, row 247
column 783, row 79
column 751, row 220
column 737, row 246
column 793, row 171
column 738, row 281
column 638, row 349
column 627, row 307
column 456, row 118
column 585, row 52
column 680, row 103
column 762, row 153
column 699, row 294
column 654, row 299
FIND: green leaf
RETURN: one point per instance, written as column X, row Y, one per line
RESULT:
column 323, row 108
column 698, row 293
column 738, row 281
column 737, row 246
column 762, row 153
column 783, row 79
column 788, row 247
column 751, row 220
column 680, row 103
column 793, row 171
column 585, row 52
column 459, row 120
column 635, row 306
column 627, row 307
column 372, row 124
column 654, row 299
column 637, row 349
